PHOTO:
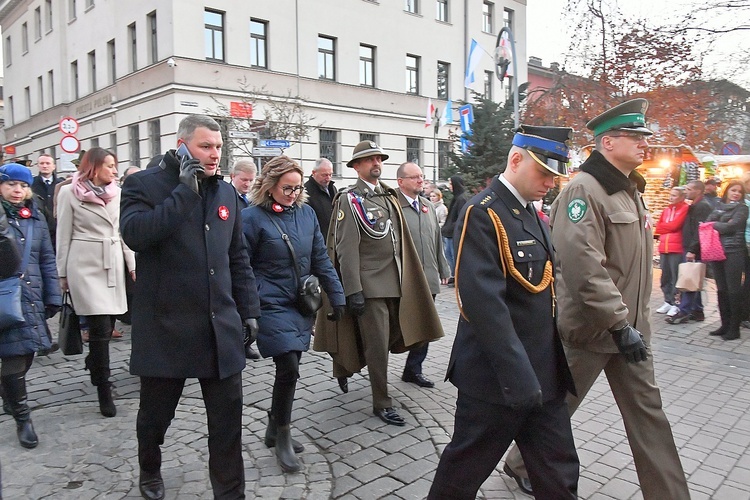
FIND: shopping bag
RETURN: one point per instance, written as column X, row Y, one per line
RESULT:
column 690, row 276
column 711, row 248
column 69, row 336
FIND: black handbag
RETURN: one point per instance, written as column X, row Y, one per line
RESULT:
column 69, row 336
column 309, row 298
column 11, row 290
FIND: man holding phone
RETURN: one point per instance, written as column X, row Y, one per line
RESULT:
column 194, row 300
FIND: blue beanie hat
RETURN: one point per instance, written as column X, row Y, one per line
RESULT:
column 15, row 172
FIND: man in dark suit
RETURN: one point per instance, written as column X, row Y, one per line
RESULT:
column 507, row 360
column 320, row 193
column 44, row 187
column 243, row 176
column 194, row 293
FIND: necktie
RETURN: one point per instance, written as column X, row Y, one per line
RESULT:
column 530, row 208
column 49, row 182
column 378, row 190
column 244, row 198
column 415, row 204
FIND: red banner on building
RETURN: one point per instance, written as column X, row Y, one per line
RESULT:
column 241, row 109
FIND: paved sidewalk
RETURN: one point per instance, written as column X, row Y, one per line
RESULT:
column 351, row 454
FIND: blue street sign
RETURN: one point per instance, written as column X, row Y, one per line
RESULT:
column 466, row 114
column 730, row 148
column 274, row 143
column 465, row 145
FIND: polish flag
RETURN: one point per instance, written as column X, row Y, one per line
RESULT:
column 430, row 112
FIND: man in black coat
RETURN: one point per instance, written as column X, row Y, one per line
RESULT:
column 195, row 291
column 691, row 306
column 507, row 360
column 44, row 187
column 320, row 193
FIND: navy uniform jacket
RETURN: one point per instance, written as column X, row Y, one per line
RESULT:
column 195, row 285
column 507, row 346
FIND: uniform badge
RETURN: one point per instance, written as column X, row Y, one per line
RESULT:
column 277, row 208
column 577, row 209
column 525, row 243
column 340, row 215
column 515, row 211
column 24, row 213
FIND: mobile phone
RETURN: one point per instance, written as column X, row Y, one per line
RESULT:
column 183, row 152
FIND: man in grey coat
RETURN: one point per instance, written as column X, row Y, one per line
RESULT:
column 423, row 226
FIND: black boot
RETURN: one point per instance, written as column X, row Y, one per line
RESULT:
column 284, row 451
column 724, row 313
column 281, row 411
column 97, row 362
column 106, row 402
column 6, row 405
column 15, row 392
column 735, row 317
column 270, row 439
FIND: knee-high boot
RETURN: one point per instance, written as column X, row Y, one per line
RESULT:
column 98, row 363
column 281, row 412
column 271, row 431
column 724, row 313
column 15, row 392
column 735, row 317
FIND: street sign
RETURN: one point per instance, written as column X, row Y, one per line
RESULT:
column 266, row 151
column 730, row 148
column 241, row 134
column 70, row 144
column 241, row 109
column 10, row 150
column 69, row 125
column 258, row 125
column 466, row 114
column 274, row 143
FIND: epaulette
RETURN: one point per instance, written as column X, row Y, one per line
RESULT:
column 488, row 199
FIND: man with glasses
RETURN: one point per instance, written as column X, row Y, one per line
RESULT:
column 320, row 192
column 601, row 231
column 422, row 222
column 389, row 303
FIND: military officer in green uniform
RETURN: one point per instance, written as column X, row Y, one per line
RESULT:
column 388, row 299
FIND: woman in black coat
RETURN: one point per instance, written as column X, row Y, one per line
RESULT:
column 729, row 218
column 40, row 298
column 284, row 332
column 460, row 197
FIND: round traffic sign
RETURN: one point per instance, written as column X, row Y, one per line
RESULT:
column 69, row 125
column 730, row 148
column 70, row 144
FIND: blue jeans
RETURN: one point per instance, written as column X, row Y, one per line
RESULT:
column 449, row 254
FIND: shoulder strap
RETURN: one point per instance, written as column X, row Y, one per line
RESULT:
column 285, row 237
column 27, row 250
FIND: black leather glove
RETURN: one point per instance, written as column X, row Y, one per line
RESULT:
column 629, row 341
column 189, row 169
column 251, row 330
column 356, row 304
column 337, row 313
column 51, row 310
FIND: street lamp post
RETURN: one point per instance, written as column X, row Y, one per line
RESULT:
column 505, row 55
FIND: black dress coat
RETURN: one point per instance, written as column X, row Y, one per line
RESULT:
column 321, row 202
column 195, row 285
column 46, row 194
column 507, row 347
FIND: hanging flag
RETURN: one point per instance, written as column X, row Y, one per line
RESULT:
column 446, row 118
column 430, row 112
column 475, row 55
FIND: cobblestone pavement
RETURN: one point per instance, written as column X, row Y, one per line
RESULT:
column 351, row 454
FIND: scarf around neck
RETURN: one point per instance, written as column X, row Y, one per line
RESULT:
column 87, row 191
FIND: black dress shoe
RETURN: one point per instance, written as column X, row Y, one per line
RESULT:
column 343, row 384
column 251, row 353
column 389, row 416
column 679, row 318
column 151, row 485
column 418, row 379
column 523, row 483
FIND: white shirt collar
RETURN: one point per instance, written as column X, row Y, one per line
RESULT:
column 513, row 190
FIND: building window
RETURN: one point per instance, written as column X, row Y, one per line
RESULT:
column 27, row 98
column 368, row 136
column 443, row 77
column 7, row 51
column 133, row 39
column 258, row 40
column 414, row 150
column 329, row 147
column 74, row 78
column 113, row 142
column 154, row 137
column 508, row 88
column 53, row 151
column 92, row 70
column 487, row 14
column 442, row 11
column 508, row 19
column 412, row 74
column 411, row 6
column 214, row 35
column 71, row 10
column 135, row 145
column 153, row 51
column 488, row 84
column 89, row 4
column 24, row 38
column 40, row 91
column 111, row 59
column 51, row 87
column 367, row 65
column 94, row 142
column 326, row 58
column 48, row 14
column 38, row 23
column 12, row 111
column 444, row 147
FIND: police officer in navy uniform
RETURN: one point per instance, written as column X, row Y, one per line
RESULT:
column 507, row 359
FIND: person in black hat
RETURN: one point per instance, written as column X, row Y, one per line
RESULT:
column 711, row 193
column 601, row 230
column 507, row 359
